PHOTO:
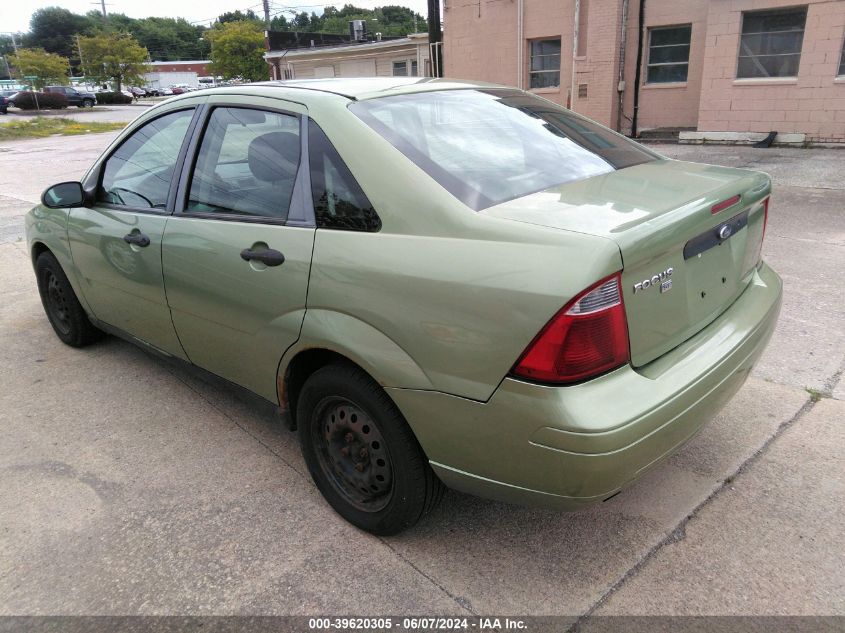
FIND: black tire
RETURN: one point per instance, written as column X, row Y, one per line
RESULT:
column 393, row 465
column 87, row 103
column 66, row 315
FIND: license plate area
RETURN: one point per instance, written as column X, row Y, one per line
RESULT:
column 715, row 236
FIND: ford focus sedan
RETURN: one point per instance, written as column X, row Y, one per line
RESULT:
column 445, row 284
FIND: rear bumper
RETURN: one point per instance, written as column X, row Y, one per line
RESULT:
column 574, row 445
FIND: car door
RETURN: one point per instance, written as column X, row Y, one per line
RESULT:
column 116, row 242
column 237, row 251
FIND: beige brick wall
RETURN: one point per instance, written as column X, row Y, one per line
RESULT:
column 480, row 42
column 480, row 47
column 665, row 105
column 813, row 103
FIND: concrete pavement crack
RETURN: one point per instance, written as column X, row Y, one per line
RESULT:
column 671, row 536
column 461, row 602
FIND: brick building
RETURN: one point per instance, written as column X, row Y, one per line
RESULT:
column 165, row 74
column 722, row 68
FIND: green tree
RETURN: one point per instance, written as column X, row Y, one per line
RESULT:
column 54, row 29
column 237, row 50
column 48, row 67
column 114, row 57
column 238, row 16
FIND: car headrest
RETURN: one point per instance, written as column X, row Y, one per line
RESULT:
column 274, row 156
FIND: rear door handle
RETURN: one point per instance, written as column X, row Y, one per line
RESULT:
column 138, row 239
column 268, row 256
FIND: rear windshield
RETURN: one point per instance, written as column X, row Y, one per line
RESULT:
column 489, row 146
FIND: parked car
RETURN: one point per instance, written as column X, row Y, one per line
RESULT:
column 7, row 99
column 461, row 285
column 176, row 90
column 75, row 97
column 137, row 92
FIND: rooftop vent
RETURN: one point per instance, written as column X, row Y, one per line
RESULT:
column 358, row 30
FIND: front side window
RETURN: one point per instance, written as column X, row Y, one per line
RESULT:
column 489, row 146
column 544, row 71
column 246, row 165
column 668, row 54
column 138, row 174
column 770, row 45
column 339, row 202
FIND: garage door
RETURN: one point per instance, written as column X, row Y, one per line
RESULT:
column 358, row 68
column 321, row 72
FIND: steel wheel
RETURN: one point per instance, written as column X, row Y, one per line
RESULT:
column 57, row 304
column 63, row 310
column 352, row 453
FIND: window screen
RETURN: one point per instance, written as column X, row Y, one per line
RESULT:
column 247, row 164
column 339, row 202
column 842, row 61
column 138, row 174
column 770, row 45
column 668, row 54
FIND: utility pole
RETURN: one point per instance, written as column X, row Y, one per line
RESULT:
column 266, row 14
column 103, row 6
column 81, row 62
column 435, row 37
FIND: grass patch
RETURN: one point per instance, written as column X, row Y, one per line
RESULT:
column 815, row 394
column 41, row 127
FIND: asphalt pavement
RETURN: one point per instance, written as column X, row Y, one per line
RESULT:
column 135, row 486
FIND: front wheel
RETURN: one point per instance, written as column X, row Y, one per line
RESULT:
column 63, row 309
column 361, row 453
column 87, row 103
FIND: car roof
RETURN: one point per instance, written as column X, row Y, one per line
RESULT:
column 358, row 88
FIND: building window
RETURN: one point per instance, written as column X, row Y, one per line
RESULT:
column 668, row 54
column 405, row 68
column 544, row 71
column 771, row 43
column 842, row 61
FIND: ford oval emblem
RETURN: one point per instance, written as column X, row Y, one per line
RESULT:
column 725, row 231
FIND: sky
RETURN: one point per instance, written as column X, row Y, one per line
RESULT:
column 14, row 14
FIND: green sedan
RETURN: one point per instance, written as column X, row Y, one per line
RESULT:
column 444, row 283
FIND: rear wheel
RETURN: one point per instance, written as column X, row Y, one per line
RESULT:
column 63, row 309
column 361, row 453
column 87, row 103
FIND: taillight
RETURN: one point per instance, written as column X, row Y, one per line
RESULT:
column 765, row 222
column 588, row 337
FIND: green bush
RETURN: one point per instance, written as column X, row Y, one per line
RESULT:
column 46, row 100
column 113, row 97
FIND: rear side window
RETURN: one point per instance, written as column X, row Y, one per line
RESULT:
column 138, row 174
column 246, row 165
column 339, row 202
column 489, row 146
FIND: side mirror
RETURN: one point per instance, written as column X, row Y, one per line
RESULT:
column 63, row 196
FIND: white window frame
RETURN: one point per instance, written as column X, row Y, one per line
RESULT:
column 531, row 56
column 650, row 64
column 742, row 34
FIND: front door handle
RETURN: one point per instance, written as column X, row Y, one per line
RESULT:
column 268, row 256
column 138, row 239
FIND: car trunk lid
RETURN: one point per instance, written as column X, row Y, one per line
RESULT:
column 685, row 259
